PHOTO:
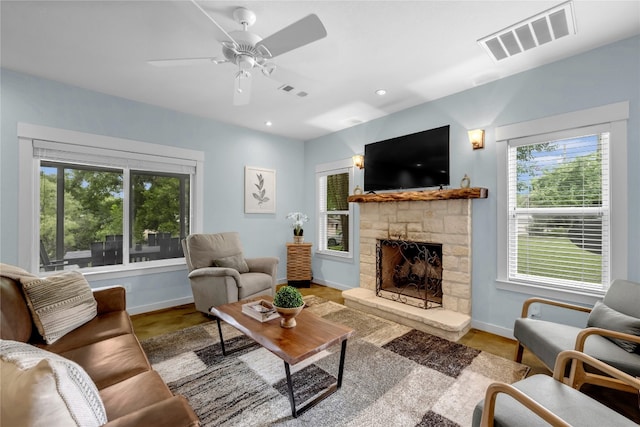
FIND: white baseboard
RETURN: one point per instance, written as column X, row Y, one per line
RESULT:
column 332, row 284
column 493, row 329
column 159, row 305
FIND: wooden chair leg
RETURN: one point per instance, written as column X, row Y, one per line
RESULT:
column 519, row 352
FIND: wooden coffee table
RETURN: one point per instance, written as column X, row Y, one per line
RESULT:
column 312, row 335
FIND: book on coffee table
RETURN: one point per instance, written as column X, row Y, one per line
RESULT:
column 260, row 310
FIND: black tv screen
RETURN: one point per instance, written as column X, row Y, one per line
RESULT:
column 418, row 160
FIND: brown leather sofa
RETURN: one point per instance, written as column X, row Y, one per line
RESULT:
column 132, row 393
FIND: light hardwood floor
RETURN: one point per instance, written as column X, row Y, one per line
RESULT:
column 159, row 322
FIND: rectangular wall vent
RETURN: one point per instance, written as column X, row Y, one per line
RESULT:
column 535, row 31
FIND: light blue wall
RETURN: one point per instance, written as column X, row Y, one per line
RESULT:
column 227, row 150
column 602, row 76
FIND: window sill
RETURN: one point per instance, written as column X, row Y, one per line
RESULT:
column 569, row 295
column 335, row 255
column 134, row 269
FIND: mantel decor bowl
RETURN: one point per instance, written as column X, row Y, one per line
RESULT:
column 288, row 316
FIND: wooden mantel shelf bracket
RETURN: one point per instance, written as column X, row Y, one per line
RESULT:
column 408, row 196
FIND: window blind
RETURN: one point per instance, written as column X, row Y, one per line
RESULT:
column 93, row 156
column 559, row 223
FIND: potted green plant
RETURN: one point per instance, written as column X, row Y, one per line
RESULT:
column 288, row 303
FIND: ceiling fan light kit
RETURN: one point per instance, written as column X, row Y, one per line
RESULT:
column 248, row 50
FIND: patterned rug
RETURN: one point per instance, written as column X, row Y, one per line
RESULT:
column 393, row 375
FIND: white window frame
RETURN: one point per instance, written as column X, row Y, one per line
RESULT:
column 85, row 144
column 323, row 170
column 613, row 116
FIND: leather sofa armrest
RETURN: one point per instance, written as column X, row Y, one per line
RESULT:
column 111, row 299
column 172, row 412
column 528, row 302
column 265, row 265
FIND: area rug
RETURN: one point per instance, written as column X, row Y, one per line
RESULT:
column 393, row 376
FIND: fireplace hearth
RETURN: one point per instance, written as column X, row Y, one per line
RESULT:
column 409, row 272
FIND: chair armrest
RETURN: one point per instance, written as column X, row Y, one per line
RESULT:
column 528, row 302
column 582, row 336
column 263, row 265
column 567, row 356
column 172, row 412
column 111, row 299
column 214, row 272
column 488, row 411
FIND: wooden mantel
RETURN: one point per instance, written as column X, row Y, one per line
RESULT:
column 407, row 196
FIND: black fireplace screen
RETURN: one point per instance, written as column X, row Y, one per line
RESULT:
column 409, row 272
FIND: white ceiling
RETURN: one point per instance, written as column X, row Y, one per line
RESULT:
column 417, row 50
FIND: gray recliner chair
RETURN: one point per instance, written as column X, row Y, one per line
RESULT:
column 219, row 273
column 611, row 334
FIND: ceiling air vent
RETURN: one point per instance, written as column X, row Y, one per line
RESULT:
column 542, row 28
column 292, row 90
column 286, row 88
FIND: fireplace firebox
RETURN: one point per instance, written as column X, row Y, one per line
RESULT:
column 409, row 272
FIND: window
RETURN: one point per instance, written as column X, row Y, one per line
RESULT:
column 335, row 215
column 102, row 206
column 559, row 211
column 562, row 203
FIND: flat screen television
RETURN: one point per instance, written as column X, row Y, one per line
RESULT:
column 418, row 160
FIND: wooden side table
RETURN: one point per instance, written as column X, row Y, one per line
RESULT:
column 299, row 264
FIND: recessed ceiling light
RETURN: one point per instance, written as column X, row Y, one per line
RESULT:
column 268, row 123
column 381, row 92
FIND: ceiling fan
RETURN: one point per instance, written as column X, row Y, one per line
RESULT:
column 249, row 51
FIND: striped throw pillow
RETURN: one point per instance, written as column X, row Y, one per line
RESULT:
column 59, row 303
column 40, row 388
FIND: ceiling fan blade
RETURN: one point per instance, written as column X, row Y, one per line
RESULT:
column 178, row 62
column 300, row 33
column 227, row 35
column 242, row 88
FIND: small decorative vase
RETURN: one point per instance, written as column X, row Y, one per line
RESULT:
column 288, row 316
column 298, row 239
column 465, row 182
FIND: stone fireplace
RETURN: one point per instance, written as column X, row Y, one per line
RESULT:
column 439, row 216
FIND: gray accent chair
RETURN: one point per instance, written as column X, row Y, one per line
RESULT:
column 611, row 334
column 541, row 400
column 220, row 274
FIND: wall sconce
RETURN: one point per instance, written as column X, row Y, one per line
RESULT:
column 476, row 138
column 358, row 161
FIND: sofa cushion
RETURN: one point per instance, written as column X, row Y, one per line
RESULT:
column 42, row 388
column 59, row 303
column 117, row 397
column 237, row 262
column 602, row 316
column 101, row 327
column 112, row 360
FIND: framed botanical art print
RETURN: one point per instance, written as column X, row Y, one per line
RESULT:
column 259, row 190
